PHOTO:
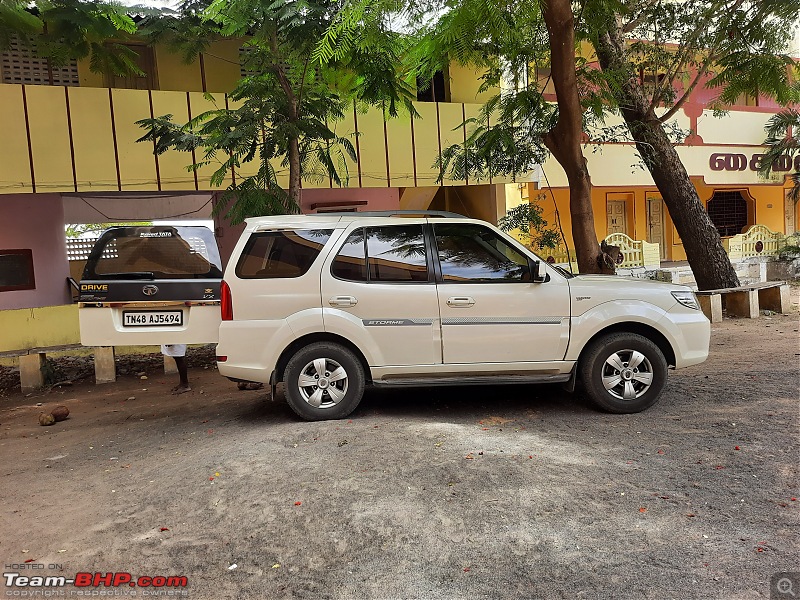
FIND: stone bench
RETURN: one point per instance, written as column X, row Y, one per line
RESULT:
column 745, row 301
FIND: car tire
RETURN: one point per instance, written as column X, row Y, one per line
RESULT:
column 623, row 372
column 323, row 381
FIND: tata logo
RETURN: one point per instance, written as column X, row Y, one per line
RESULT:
column 150, row 290
column 94, row 287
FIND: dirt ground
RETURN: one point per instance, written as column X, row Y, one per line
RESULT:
column 483, row 492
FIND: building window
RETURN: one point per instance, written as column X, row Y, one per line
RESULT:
column 20, row 63
column 16, row 270
column 728, row 212
column 146, row 62
column 434, row 90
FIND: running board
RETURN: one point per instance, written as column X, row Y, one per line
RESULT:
column 472, row 380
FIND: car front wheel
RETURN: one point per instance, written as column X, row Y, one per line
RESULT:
column 623, row 372
column 323, row 381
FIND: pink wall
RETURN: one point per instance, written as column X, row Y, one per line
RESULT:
column 375, row 198
column 36, row 222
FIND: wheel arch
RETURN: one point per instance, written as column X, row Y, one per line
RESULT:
column 647, row 331
column 311, row 338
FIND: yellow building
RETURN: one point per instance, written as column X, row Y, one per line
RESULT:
column 721, row 157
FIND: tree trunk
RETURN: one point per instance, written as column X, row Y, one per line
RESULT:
column 710, row 264
column 294, row 174
column 564, row 140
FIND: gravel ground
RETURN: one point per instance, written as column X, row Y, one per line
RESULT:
column 483, row 492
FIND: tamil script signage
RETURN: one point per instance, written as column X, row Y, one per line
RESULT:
column 741, row 162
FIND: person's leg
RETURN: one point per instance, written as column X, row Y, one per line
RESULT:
column 183, row 386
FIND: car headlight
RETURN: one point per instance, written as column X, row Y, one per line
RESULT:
column 688, row 299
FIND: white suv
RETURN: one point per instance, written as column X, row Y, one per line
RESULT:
column 330, row 303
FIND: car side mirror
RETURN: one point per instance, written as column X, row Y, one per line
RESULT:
column 535, row 276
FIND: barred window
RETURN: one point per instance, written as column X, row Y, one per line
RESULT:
column 16, row 270
column 728, row 212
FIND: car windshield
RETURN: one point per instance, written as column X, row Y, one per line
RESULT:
column 157, row 252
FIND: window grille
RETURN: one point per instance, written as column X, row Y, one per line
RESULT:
column 728, row 212
column 20, row 64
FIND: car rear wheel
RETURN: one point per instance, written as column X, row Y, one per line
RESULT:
column 323, row 381
column 623, row 372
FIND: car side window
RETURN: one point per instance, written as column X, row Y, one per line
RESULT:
column 397, row 253
column 281, row 254
column 351, row 261
column 471, row 253
column 394, row 253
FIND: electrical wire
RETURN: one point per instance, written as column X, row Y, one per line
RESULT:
column 558, row 219
column 116, row 219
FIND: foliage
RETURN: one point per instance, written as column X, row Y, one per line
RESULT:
column 527, row 219
column 790, row 248
column 780, row 142
column 282, row 114
column 733, row 46
column 60, row 30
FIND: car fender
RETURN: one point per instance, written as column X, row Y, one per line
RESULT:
column 605, row 315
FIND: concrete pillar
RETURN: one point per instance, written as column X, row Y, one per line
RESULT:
column 742, row 304
column 31, row 376
column 711, row 305
column 775, row 299
column 170, row 368
column 105, row 370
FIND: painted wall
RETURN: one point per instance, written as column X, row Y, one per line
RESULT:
column 85, row 140
column 39, row 327
column 36, row 222
column 139, row 207
column 766, row 203
column 328, row 199
column 465, row 83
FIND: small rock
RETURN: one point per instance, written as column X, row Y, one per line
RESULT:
column 143, row 377
column 45, row 420
column 132, row 398
column 60, row 413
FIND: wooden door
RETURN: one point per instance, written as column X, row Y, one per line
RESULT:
column 616, row 217
column 655, row 224
column 790, row 210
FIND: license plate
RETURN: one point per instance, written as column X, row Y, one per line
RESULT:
column 152, row 318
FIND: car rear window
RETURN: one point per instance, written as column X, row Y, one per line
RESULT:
column 281, row 254
column 156, row 252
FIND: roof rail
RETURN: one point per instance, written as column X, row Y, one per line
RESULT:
column 395, row 213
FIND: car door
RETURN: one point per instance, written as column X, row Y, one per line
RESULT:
column 151, row 285
column 378, row 291
column 491, row 311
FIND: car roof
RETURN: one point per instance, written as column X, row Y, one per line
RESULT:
column 331, row 219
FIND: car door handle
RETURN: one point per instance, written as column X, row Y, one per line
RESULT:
column 460, row 302
column 343, row 301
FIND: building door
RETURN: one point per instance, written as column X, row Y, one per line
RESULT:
column 655, row 225
column 790, row 210
column 616, row 217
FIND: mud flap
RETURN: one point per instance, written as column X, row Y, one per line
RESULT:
column 572, row 383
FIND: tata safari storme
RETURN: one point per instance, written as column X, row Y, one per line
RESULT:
column 328, row 304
